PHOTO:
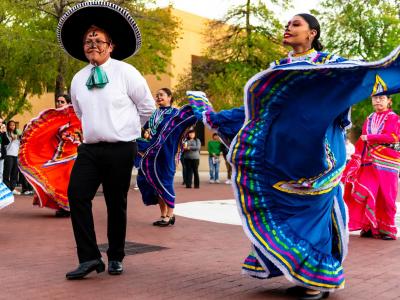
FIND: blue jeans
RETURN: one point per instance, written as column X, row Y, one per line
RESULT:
column 214, row 168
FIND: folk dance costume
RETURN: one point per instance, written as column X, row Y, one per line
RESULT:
column 371, row 176
column 288, row 158
column 158, row 156
column 6, row 196
column 47, row 153
column 113, row 101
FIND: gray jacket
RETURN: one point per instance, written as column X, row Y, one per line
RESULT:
column 194, row 149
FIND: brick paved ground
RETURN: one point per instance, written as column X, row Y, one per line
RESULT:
column 202, row 260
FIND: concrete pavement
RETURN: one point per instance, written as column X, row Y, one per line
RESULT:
column 197, row 259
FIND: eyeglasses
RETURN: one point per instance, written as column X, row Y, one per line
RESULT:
column 61, row 101
column 97, row 43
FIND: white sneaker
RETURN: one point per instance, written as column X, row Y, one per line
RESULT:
column 16, row 192
column 217, row 181
column 228, row 181
column 212, row 181
column 27, row 193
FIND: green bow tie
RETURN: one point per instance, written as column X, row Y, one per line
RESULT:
column 98, row 78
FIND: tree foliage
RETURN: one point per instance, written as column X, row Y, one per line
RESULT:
column 32, row 62
column 367, row 30
column 243, row 43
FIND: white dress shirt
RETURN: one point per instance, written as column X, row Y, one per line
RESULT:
column 117, row 111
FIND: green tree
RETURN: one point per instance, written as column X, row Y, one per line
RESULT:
column 32, row 61
column 359, row 29
column 22, row 63
column 243, row 43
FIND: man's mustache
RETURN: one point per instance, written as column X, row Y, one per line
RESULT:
column 90, row 50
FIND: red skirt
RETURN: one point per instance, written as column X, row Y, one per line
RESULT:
column 47, row 154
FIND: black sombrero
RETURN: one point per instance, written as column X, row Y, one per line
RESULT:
column 112, row 18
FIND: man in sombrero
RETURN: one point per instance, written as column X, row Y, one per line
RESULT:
column 112, row 100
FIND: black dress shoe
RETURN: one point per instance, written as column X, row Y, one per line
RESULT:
column 86, row 268
column 296, row 290
column 165, row 223
column 115, row 267
column 62, row 213
column 366, row 234
column 157, row 223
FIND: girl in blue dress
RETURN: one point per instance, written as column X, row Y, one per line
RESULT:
column 159, row 153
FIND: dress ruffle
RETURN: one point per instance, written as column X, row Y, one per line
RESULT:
column 371, row 178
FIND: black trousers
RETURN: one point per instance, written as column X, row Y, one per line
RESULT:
column 192, row 169
column 183, row 170
column 109, row 164
column 10, row 172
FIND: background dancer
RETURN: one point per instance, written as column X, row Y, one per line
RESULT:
column 159, row 155
column 48, row 151
column 371, row 176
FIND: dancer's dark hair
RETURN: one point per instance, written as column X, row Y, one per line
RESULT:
column 314, row 24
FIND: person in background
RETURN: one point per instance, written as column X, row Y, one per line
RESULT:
column 157, row 155
column 182, row 161
column 27, row 188
column 3, row 143
column 63, row 101
column 225, row 151
column 349, row 149
column 214, row 151
column 191, row 157
column 47, row 153
column 146, row 134
column 371, row 176
column 10, row 174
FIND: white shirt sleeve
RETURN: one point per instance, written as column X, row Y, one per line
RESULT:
column 139, row 92
column 75, row 104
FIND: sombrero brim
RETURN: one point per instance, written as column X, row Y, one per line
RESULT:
column 114, row 19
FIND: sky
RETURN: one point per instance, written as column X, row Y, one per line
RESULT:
column 215, row 9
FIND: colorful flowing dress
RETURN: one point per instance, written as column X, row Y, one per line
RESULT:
column 47, row 153
column 287, row 161
column 157, row 156
column 371, row 176
column 6, row 196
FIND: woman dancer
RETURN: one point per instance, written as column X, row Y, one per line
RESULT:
column 289, row 154
column 48, row 152
column 371, row 176
column 155, row 180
